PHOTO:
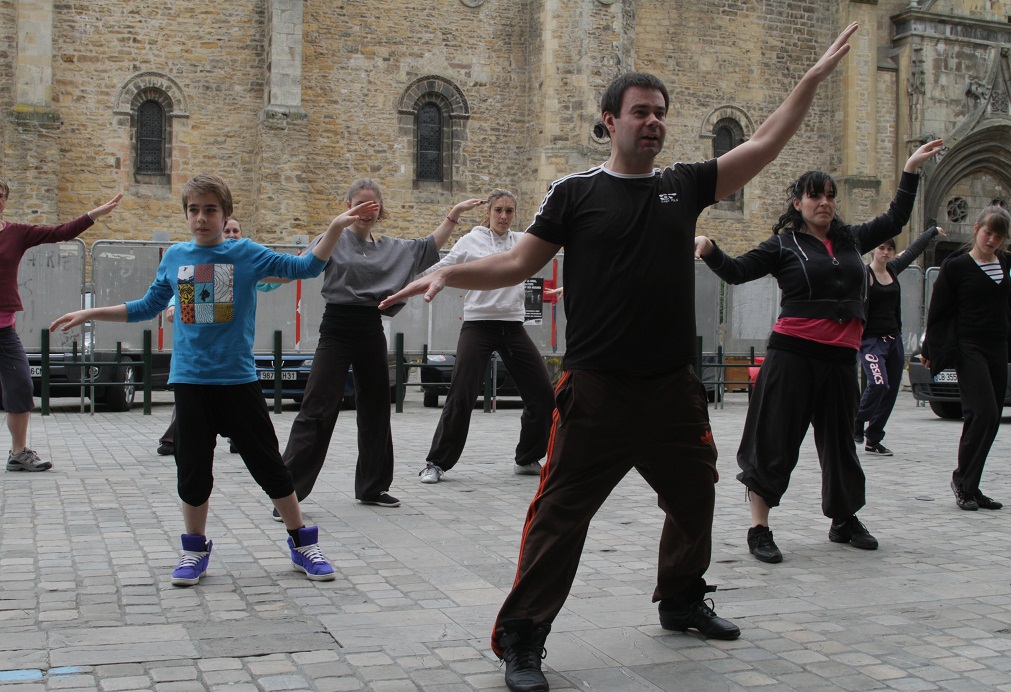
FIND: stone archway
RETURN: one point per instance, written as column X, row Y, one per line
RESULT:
column 976, row 170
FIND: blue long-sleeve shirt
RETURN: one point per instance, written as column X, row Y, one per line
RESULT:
column 215, row 289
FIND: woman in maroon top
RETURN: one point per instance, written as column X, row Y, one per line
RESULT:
column 15, row 377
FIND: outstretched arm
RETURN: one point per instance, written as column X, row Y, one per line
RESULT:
column 502, row 269
column 112, row 313
column 744, row 162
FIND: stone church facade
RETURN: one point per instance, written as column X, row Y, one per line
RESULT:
column 441, row 100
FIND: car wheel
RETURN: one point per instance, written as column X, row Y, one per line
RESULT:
column 119, row 397
column 431, row 400
column 951, row 410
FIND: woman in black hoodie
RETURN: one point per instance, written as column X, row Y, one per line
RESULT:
column 808, row 377
column 967, row 329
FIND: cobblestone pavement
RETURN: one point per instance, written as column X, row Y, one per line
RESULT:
column 86, row 551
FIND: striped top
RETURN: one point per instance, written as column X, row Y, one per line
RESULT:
column 992, row 269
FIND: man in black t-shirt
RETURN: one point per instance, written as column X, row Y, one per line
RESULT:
column 628, row 396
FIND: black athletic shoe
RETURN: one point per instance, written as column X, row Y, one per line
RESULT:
column 984, row 502
column 762, row 546
column 853, row 532
column 522, row 650
column 679, row 615
column 877, row 449
column 165, row 449
column 383, row 499
column 964, row 500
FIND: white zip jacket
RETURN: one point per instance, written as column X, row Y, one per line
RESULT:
column 504, row 304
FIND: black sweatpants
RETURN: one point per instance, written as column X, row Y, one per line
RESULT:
column 606, row 424
column 795, row 391
column 982, row 382
column 313, row 427
column 238, row 411
column 478, row 340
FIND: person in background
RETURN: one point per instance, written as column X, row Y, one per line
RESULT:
column 967, row 329
column 15, row 374
column 881, row 353
column 493, row 322
column 808, row 379
column 365, row 267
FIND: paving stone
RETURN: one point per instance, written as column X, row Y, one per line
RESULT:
column 420, row 586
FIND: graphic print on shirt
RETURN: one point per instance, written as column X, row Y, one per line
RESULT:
column 205, row 293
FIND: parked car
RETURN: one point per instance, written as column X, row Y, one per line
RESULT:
column 941, row 391
column 66, row 376
column 437, row 374
column 295, row 369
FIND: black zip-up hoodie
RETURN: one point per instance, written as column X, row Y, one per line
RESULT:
column 813, row 283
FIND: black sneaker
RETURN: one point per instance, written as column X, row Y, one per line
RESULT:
column 383, row 499
column 165, row 449
column 231, row 447
column 522, row 650
column 762, row 546
column 853, row 532
column 680, row 615
column 877, row 449
column 984, row 502
column 275, row 515
column 964, row 500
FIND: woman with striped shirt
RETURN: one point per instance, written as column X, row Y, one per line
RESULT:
column 967, row 329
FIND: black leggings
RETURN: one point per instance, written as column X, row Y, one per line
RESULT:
column 478, row 340
column 237, row 411
column 982, row 382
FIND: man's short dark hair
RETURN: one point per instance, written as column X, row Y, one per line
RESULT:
column 611, row 101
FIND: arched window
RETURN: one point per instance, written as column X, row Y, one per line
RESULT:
column 430, row 135
column 431, row 115
column 146, row 107
column 150, row 138
column 727, row 134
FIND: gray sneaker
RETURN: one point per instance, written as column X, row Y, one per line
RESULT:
column 431, row 474
column 531, row 469
column 26, row 460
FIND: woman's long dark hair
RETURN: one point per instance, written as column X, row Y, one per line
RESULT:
column 812, row 184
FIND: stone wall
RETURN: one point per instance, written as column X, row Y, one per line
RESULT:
column 526, row 75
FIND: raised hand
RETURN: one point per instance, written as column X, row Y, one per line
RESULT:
column 831, row 57
column 354, row 213
column 105, row 208
column 923, row 154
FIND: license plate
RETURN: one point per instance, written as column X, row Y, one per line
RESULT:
column 946, row 376
column 285, row 375
column 36, row 370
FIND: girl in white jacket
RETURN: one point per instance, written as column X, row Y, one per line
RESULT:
column 493, row 321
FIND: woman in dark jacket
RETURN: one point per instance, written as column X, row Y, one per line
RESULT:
column 808, row 376
column 881, row 354
column 967, row 329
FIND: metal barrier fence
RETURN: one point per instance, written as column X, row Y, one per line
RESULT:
column 731, row 320
column 51, row 283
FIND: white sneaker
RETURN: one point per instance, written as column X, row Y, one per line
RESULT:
column 532, row 469
column 431, row 474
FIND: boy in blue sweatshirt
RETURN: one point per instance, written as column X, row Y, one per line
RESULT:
column 214, row 283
